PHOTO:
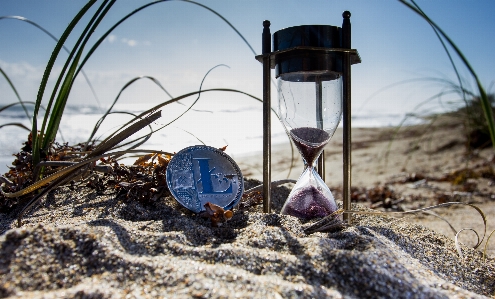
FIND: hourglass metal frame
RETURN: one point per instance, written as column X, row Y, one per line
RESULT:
column 269, row 60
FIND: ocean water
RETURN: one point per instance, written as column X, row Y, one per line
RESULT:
column 240, row 129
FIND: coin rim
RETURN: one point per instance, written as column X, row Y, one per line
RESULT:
column 239, row 192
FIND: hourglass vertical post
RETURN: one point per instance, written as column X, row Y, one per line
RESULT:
column 266, row 49
column 319, row 123
column 346, row 43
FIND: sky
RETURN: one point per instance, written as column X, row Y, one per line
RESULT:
column 178, row 42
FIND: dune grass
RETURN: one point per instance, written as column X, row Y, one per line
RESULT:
column 476, row 106
column 43, row 137
column 485, row 101
column 77, row 58
column 477, row 113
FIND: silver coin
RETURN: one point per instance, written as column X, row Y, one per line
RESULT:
column 200, row 174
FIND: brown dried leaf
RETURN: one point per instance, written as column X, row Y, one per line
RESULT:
column 163, row 161
column 217, row 214
column 143, row 159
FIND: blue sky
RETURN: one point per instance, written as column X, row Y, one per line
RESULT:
column 178, row 42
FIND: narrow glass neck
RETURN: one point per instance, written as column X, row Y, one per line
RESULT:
column 310, row 142
column 311, row 164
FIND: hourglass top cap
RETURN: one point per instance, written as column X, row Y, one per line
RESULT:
column 320, row 36
column 325, row 36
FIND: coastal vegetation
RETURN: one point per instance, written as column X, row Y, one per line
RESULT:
column 43, row 162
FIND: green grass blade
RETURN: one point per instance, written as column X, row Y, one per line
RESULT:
column 58, row 109
column 100, row 121
column 20, row 125
column 25, row 102
column 486, row 245
column 189, row 108
column 407, row 116
column 447, row 52
column 129, row 83
column 16, row 93
column 124, row 134
column 194, row 136
column 199, row 94
column 225, row 20
column 104, row 36
column 46, row 75
column 59, row 104
column 486, row 105
column 186, row 96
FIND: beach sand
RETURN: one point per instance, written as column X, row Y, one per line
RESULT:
column 412, row 166
column 83, row 243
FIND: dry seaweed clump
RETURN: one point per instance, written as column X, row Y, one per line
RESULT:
column 144, row 181
column 22, row 173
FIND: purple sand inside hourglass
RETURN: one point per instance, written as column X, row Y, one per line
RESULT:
column 308, row 203
column 310, row 142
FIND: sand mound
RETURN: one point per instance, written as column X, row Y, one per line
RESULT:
column 85, row 245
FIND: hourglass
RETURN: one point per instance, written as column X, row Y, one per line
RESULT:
column 310, row 108
column 312, row 66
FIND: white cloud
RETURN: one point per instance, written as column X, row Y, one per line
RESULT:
column 112, row 38
column 129, row 42
column 22, row 70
